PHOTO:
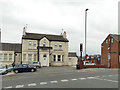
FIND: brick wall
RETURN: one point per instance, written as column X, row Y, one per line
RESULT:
column 113, row 55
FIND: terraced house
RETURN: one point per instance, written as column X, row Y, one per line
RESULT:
column 10, row 52
column 46, row 48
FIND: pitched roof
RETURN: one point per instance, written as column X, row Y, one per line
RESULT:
column 72, row 54
column 116, row 36
column 11, row 47
column 37, row 36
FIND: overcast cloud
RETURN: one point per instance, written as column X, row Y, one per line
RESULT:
column 50, row 16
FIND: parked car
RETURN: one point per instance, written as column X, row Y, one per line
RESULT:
column 35, row 64
column 24, row 68
column 3, row 69
column 9, row 68
column 88, row 63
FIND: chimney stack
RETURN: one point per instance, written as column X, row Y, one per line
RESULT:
column 24, row 31
column 64, row 34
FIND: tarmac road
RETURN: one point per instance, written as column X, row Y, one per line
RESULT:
column 63, row 77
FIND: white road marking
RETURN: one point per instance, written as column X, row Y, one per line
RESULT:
column 32, row 84
column 110, row 80
column 65, row 80
column 53, row 81
column 73, row 79
column 110, row 75
column 104, row 76
column 99, row 78
column 19, row 86
column 8, row 87
column 96, row 76
column 43, row 83
column 90, row 77
column 82, row 78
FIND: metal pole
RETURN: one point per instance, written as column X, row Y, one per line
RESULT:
column 85, row 29
column 85, row 32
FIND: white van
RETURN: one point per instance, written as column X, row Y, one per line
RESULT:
column 88, row 63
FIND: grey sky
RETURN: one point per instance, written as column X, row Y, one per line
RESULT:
column 50, row 16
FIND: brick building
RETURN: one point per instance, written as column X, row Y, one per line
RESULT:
column 110, row 51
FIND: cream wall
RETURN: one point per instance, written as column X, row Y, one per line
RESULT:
column 26, row 50
column 44, row 40
column 48, row 52
column 73, row 61
column 64, row 52
column 7, row 62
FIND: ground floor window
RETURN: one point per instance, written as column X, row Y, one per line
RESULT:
column 35, row 57
column 0, row 57
column 24, row 57
column 5, row 57
column 59, row 57
column 54, row 58
column 10, row 57
column 19, row 57
column 29, row 57
column 70, row 59
column 62, row 58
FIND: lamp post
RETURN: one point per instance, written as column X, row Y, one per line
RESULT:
column 85, row 28
column 85, row 32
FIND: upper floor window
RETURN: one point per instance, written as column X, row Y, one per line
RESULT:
column 10, row 57
column 44, row 44
column 60, row 46
column 55, row 47
column 106, row 40
column 29, row 45
column 35, row 45
column 111, row 40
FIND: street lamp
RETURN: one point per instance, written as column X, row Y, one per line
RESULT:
column 85, row 28
column 85, row 33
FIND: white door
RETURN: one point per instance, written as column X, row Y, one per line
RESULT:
column 44, row 60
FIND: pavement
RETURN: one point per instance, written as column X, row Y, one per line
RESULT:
column 62, row 77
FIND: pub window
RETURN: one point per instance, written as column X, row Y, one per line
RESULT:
column 62, row 58
column 35, row 57
column 44, row 44
column 29, row 45
column 1, row 57
column 10, row 57
column 59, row 57
column 5, row 57
column 55, row 47
column 35, row 45
column 29, row 57
column 24, row 57
column 60, row 46
column 70, row 59
column 54, row 57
